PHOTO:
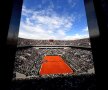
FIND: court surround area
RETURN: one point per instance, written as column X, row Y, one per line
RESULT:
column 54, row 65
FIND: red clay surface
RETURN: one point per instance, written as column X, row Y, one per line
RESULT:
column 54, row 65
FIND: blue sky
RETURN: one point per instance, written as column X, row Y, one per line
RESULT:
column 53, row 19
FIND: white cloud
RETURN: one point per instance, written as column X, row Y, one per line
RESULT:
column 46, row 24
column 25, row 11
column 85, row 29
column 76, row 36
column 72, row 3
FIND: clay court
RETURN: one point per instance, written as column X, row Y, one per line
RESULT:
column 54, row 65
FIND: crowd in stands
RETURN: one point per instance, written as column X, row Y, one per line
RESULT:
column 28, row 61
column 80, row 60
column 75, row 82
column 80, row 42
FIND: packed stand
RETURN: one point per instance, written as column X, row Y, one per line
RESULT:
column 28, row 61
column 80, row 42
